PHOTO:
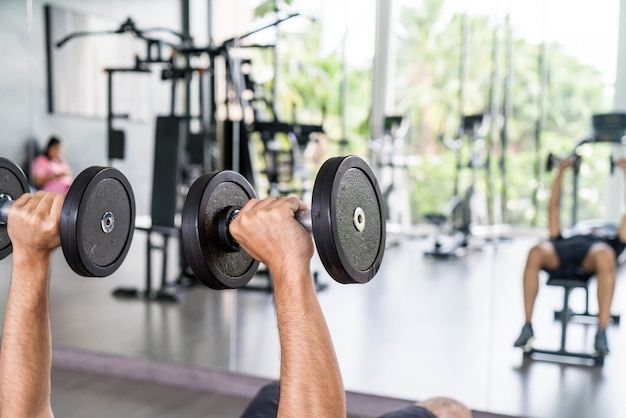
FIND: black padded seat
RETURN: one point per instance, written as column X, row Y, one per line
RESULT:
column 435, row 218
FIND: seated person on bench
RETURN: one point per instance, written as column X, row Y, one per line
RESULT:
column 581, row 255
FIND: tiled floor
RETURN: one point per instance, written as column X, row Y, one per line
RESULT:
column 421, row 328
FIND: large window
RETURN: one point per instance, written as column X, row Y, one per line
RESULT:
column 532, row 68
column 324, row 67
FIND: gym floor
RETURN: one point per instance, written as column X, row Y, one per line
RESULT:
column 421, row 328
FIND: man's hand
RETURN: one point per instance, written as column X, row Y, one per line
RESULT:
column 33, row 224
column 268, row 231
column 565, row 163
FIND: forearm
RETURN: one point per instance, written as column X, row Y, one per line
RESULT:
column 555, row 196
column 310, row 379
column 554, row 206
column 25, row 356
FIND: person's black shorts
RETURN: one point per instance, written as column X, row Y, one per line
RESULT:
column 572, row 251
column 265, row 405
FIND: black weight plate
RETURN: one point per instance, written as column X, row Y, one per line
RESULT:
column 345, row 190
column 97, row 221
column 207, row 198
column 14, row 183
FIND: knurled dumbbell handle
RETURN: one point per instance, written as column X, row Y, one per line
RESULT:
column 304, row 218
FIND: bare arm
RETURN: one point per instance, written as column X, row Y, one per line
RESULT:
column 554, row 206
column 25, row 357
column 310, row 378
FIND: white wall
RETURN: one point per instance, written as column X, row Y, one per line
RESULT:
column 23, row 105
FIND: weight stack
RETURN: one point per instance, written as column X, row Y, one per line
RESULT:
column 117, row 141
column 171, row 133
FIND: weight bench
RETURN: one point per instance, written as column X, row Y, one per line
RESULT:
column 569, row 283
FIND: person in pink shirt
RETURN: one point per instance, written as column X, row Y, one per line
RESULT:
column 51, row 173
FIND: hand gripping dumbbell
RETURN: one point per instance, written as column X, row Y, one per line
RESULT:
column 553, row 161
column 346, row 218
column 97, row 219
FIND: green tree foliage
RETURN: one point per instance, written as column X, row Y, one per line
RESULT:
column 311, row 85
column 427, row 84
column 266, row 7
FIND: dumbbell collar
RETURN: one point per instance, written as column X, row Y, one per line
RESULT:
column 227, row 241
column 5, row 204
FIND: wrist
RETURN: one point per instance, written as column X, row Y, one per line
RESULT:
column 292, row 283
column 31, row 259
column 30, row 278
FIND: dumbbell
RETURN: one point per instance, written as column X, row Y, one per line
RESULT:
column 613, row 163
column 553, row 161
column 346, row 219
column 97, row 219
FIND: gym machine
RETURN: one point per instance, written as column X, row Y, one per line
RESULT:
column 608, row 128
column 454, row 234
column 389, row 155
column 189, row 148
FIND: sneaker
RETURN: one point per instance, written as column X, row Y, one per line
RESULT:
column 601, row 345
column 525, row 338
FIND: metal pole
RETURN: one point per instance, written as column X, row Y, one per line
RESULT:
column 507, row 110
column 380, row 67
column 463, row 80
column 188, row 74
column 344, row 94
column 539, row 127
column 494, row 113
column 275, row 90
column 574, row 197
column 109, row 113
column 543, row 79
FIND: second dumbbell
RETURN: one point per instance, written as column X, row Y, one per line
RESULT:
column 346, row 219
column 552, row 161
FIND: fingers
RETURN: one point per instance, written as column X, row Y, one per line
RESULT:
column 22, row 200
column 56, row 206
column 292, row 204
column 44, row 204
column 266, row 229
column 34, row 221
column 566, row 162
